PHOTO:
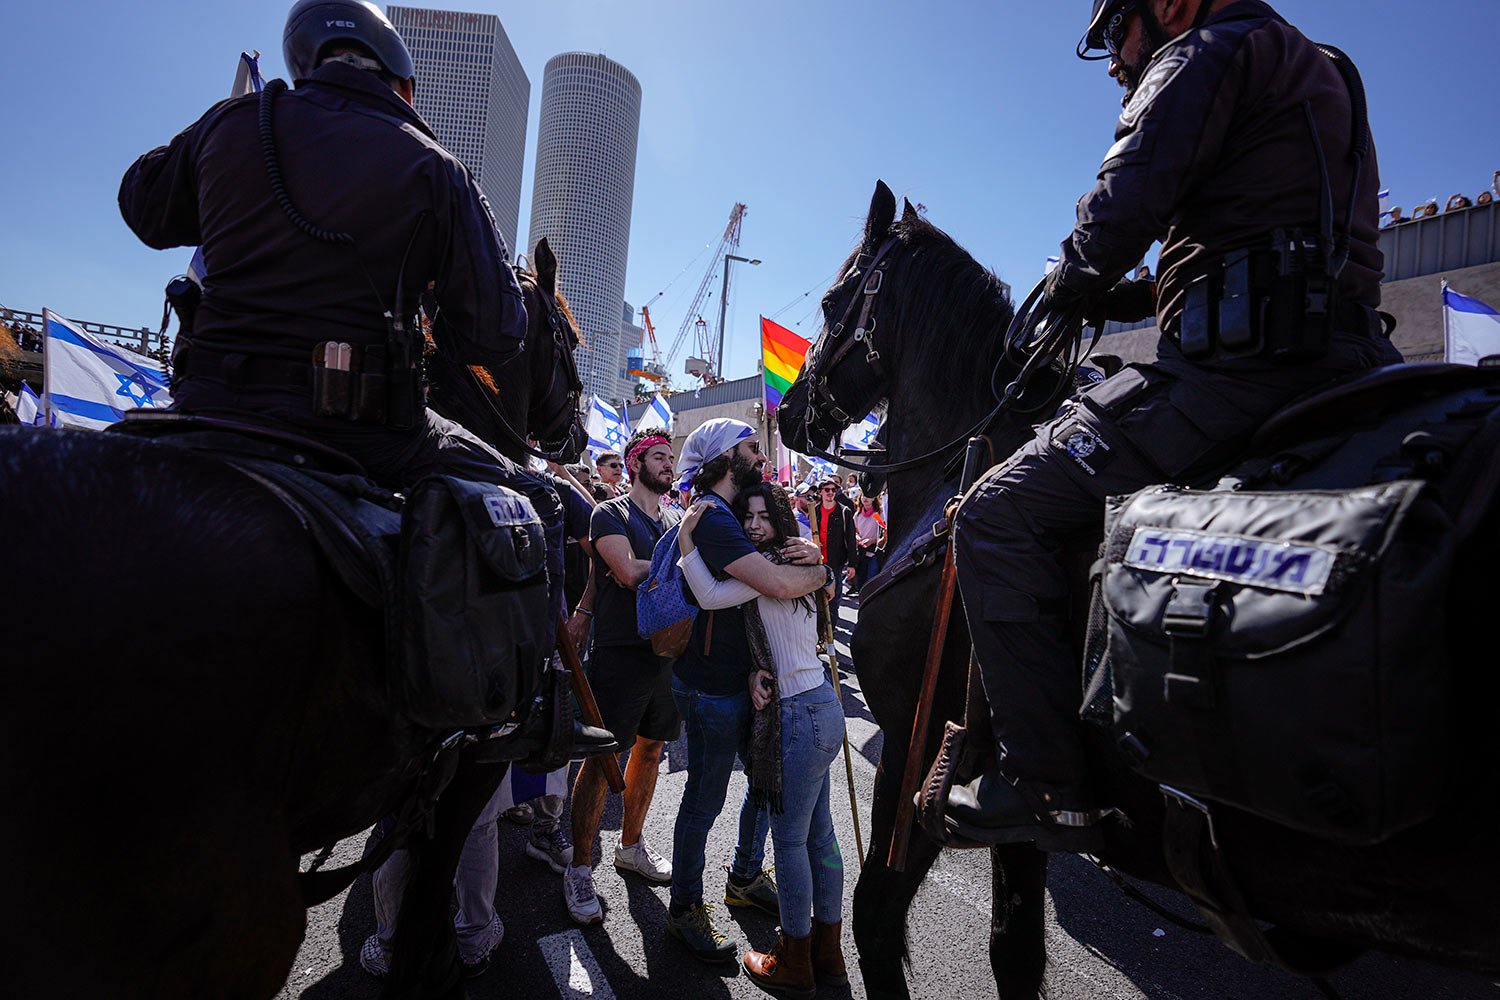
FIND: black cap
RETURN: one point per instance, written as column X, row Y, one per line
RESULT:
column 313, row 25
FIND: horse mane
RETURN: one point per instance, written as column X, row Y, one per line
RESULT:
column 950, row 297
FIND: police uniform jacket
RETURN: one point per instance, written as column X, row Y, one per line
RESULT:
column 1213, row 152
column 355, row 158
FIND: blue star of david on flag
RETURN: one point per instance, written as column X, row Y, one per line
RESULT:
column 136, row 389
column 862, row 434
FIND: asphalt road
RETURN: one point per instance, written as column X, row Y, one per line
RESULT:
column 1101, row 945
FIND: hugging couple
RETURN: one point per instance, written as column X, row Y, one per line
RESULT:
column 751, row 683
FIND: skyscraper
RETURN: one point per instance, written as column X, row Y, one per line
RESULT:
column 581, row 200
column 473, row 92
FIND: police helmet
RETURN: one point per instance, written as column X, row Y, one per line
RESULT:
column 313, row 25
column 1093, row 38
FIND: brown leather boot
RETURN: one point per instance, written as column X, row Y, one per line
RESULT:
column 786, row 970
column 828, row 954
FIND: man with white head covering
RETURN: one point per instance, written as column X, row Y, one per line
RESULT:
column 710, row 686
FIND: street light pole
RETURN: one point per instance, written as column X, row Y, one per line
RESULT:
column 718, row 358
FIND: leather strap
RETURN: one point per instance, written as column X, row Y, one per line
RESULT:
column 915, row 750
column 1196, row 860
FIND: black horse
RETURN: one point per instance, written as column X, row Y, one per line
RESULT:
column 495, row 406
column 937, row 326
column 194, row 702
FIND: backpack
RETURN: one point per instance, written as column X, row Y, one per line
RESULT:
column 663, row 613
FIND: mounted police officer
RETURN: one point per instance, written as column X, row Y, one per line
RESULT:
column 307, row 320
column 1235, row 150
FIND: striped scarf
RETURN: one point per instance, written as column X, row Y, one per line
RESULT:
column 765, row 732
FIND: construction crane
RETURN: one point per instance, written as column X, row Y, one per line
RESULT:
column 692, row 319
column 649, row 367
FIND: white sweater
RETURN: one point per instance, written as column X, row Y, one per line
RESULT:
column 793, row 633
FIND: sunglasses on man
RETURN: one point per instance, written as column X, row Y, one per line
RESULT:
column 1114, row 31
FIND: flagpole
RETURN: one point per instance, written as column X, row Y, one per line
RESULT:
column 47, row 368
column 1447, row 333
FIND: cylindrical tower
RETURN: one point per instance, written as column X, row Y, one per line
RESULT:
column 581, row 199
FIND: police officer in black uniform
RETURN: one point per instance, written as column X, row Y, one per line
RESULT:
column 384, row 211
column 1235, row 150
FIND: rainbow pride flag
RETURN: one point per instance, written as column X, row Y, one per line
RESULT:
column 782, row 353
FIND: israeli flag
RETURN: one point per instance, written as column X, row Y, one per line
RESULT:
column 1471, row 329
column 1385, row 208
column 861, row 436
column 247, row 80
column 607, row 428
column 658, row 416
column 1052, row 263
column 821, row 470
column 29, row 407
column 90, row 383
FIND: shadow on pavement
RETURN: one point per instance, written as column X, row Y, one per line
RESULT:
column 1162, row 959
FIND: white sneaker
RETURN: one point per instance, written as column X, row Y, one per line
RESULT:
column 641, row 859
column 578, row 893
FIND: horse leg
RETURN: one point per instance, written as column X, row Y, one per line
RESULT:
column 883, row 895
column 424, row 955
column 1018, row 921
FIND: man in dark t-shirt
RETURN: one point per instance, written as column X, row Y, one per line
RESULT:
column 631, row 683
column 711, row 686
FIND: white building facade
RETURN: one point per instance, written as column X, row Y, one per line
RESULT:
column 473, row 92
column 581, row 201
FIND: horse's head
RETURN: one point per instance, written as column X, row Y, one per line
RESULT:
column 553, row 417
column 908, row 300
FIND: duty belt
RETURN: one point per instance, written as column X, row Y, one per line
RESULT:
column 239, row 369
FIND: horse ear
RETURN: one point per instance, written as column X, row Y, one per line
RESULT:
column 545, row 262
column 908, row 211
column 882, row 213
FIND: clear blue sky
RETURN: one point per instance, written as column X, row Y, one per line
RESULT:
column 976, row 108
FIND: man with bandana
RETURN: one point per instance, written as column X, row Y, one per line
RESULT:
column 631, row 683
column 710, row 687
column 1229, row 116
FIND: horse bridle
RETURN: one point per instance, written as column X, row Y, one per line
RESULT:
column 564, row 340
column 821, row 401
column 1036, row 354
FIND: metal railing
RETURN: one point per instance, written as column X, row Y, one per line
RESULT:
column 142, row 340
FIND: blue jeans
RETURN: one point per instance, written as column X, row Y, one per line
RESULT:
column 718, row 727
column 809, row 866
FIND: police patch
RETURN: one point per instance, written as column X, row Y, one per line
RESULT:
column 1255, row 562
column 1163, row 73
column 1084, row 447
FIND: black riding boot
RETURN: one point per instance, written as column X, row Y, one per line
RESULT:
column 1014, row 592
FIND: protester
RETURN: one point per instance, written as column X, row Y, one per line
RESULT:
column 798, row 727
column 631, row 683
column 833, row 527
column 719, row 459
column 799, row 509
column 611, row 469
column 870, row 534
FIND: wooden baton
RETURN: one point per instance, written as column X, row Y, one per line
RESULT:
column 587, row 705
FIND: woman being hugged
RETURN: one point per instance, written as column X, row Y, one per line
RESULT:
column 798, row 728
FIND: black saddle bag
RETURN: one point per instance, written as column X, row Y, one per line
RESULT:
column 473, row 580
column 1283, row 653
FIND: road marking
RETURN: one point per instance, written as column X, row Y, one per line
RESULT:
column 574, row 968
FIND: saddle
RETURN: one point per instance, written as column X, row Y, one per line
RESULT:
column 456, row 569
